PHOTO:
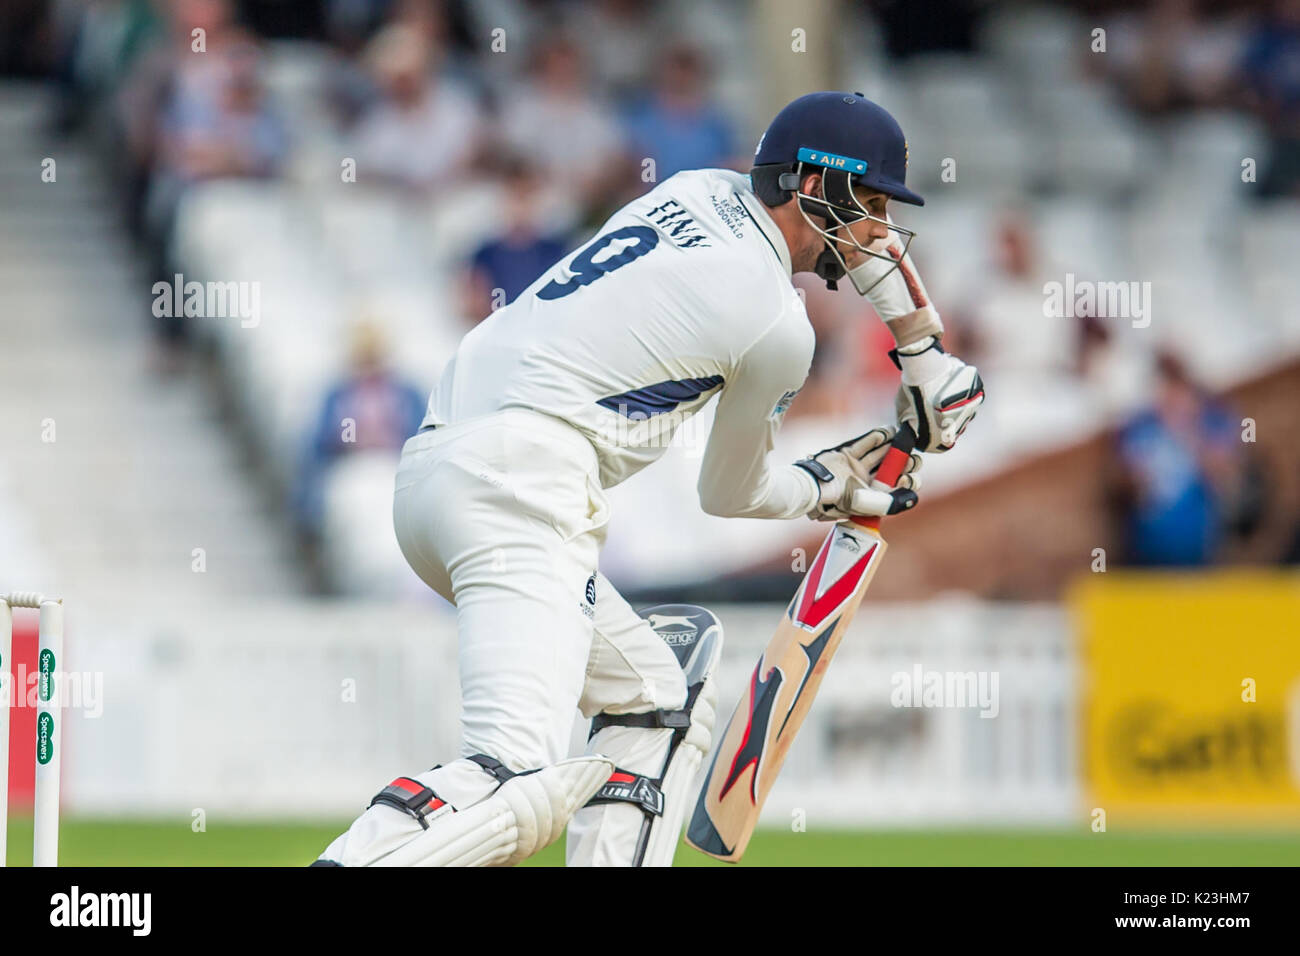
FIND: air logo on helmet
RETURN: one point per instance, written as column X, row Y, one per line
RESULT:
column 831, row 160
column 905, row 154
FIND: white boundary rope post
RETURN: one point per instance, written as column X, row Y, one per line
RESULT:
column 6, row 686
column 49, row 735
column 49, row 721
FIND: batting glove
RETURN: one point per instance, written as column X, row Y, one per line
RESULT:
column 939, row 396
column 844, row 475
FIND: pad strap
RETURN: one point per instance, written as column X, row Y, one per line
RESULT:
column 678, row 720
column 625, row 787
column 493, row 766
column 411, row 796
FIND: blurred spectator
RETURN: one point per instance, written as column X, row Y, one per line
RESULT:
column 568, row 134
column 349, row 87
column 677, row 124
column 424, row 130
column 24, row 37
column 1271, row 73
column 95, row 52
column 216, row 123
column 371, row 409
column 425, row 17
column 223, row 126
column 1172, row 55
column 170, row 78
column 615, row 33
column 929, row 26
column 1002, row 305
column 511, row 260
column 299, row 19
column 349, row 23
column 1180, row 470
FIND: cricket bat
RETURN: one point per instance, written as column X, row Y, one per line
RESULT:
column 783, row 685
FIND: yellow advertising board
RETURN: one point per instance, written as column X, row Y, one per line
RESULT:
column 1191, row 695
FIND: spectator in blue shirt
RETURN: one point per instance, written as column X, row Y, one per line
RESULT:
column 371, row 409
column 677, row 125
column 1180, row 463
column 511, row 261
column 1270, row 71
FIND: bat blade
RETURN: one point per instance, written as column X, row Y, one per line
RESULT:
column 781, row 691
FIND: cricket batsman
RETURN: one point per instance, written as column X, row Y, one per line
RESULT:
column 499, row 505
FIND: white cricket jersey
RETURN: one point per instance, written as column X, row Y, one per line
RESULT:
column 683, row 294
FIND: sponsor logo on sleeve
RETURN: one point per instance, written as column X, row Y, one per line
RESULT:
column 783, row 404
column 589, row 592
column 732, row 214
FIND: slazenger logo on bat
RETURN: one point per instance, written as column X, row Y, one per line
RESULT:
column 674, row 637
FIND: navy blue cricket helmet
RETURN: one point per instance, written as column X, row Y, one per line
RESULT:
column 852, row 142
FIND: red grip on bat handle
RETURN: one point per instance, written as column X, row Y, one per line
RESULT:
column 900, row 450
column 891, row 469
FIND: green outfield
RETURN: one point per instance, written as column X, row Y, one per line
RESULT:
column 162, row 843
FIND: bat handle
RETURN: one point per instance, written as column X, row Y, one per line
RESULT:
column 891, row 469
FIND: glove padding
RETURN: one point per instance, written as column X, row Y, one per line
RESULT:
column 844, row 474
column 939, row 396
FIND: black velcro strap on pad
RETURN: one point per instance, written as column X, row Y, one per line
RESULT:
column 625, row 787
column 493, row 766
column 411, row 796
column 655, row 719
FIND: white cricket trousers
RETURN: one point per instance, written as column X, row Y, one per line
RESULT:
column 504, row 516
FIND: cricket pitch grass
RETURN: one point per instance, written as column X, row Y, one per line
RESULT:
column 91, row 842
